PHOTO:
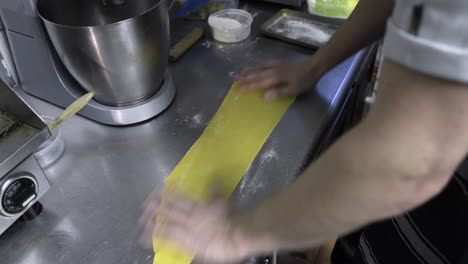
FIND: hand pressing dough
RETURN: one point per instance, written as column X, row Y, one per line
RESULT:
column 223, row 153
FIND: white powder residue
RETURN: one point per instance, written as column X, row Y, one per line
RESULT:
column 192, row 120
column 256, row 14
column 247, row 190
column 248, row 187
column 225, row 23
column 302, row 30
column 207, row 43
column 197, row 120
column 269, row 156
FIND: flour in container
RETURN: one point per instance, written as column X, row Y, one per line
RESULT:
column 225, row 23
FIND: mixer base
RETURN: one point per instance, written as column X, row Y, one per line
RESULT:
column 127, row 115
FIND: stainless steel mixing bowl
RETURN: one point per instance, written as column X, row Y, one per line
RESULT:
column 116, row 49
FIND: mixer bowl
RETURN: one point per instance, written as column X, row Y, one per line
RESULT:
column 118, row 51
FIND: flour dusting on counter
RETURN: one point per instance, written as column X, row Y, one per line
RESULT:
column 249, row 187
column 269, row 156
column 207, row 44
column 190, row 118
column 197, row 119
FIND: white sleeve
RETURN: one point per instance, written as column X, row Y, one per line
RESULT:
column 430, row 36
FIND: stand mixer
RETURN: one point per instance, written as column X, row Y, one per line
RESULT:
column 117, row 49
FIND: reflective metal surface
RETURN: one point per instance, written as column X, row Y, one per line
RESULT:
column 42, row 73
column 28, row 168
column 119, row 52
column 100, row 183
column 125, row 115
column 22, row 130
column 7, row 68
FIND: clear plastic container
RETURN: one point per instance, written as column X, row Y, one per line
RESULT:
column 52, row 149
column 230, row 25
column 332, row 8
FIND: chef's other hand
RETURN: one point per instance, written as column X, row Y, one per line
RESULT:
column 204, row 229
column 148, row 218
column 280, row 79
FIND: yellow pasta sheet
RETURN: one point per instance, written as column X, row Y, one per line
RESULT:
column 222, row 154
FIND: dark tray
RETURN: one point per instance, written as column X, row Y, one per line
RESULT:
column 312, row 31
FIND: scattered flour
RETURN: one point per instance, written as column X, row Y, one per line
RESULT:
column 256, row 14
column 302, row 30
column 197, row 120
column 269, row 156
column 249, row 187
column 193, row 121
column 207, row 43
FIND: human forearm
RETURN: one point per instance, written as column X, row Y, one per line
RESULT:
column 325, row 252
column 365, row 25
column 399, row 157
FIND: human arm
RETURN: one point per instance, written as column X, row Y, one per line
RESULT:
column 318, row 255
column 401, row 155
column 325, row 252
column 365, row 25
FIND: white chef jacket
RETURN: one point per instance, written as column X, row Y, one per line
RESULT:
column 430, row 36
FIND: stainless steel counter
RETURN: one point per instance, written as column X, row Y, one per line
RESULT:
column 105, row 174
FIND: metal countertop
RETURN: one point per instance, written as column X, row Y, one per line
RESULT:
column 99, row 184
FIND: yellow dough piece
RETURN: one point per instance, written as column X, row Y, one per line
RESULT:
column 222, row 154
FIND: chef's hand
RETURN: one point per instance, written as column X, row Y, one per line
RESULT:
column 281, row 79
column 204, row 229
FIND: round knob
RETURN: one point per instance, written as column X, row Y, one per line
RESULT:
column 17, row 193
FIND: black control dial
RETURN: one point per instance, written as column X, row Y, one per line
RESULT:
column 18, row 194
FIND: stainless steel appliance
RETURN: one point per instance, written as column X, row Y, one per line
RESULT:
column 22, row 181
column 117, row 49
